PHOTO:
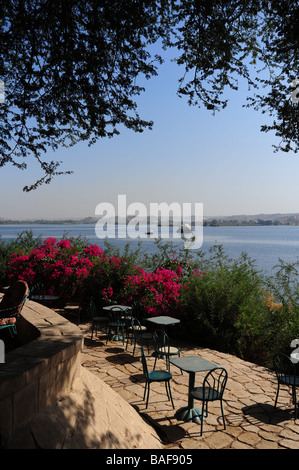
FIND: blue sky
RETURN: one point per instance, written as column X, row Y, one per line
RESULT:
column 222, row 161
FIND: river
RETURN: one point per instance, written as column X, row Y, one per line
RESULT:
column 264, row 244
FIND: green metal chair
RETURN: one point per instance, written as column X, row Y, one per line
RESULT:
column 285, row 371
column 139, row 334
column 155, row 376
column 127, row 318
column 212, row 389
column 116, row 326
column 163, row 350
column 12, row 304
column 96, row 319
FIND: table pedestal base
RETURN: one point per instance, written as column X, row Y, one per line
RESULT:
column 189, row 414
column 117, row 337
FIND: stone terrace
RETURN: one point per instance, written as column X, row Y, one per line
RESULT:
column 252, row 422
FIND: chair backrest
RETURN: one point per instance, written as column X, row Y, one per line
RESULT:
column 136, row 326
column 216, row 379
column 137, row 308
column 144, row 363
column 92, row 309
column 284, row 368
column 37, row 289
column 115, row 314
column 161, row 341
column 13, row 300
column 126, row 312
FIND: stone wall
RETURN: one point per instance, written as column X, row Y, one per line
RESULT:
column 38, row 372
column 48, row 400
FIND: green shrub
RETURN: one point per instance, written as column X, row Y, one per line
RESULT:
column 224, row 304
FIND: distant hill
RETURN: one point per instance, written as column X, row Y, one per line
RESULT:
column 258, row 219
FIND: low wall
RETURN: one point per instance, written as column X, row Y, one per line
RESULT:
column 42, row 369
column 49, row 401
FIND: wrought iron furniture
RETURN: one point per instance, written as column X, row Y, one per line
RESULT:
column 12, row 304
column 121, row 307
column 37, row 293
column 116, row 326
column 121, row 317
column 155, row 376
column 212, row 389
column 96, row 319
column 127, row 318
column 191, row 364
column 285, row 371
column 163, row 349
column 163, row 321
column 139, row 335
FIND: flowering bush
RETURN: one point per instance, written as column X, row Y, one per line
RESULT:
column 60, row 267
column 159, row 292
column 65, row 269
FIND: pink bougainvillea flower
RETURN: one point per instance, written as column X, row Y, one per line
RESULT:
column 64, row 244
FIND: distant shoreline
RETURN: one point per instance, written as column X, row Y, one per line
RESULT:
column 236, row 220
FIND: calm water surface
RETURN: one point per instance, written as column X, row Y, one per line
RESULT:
column 264, row 244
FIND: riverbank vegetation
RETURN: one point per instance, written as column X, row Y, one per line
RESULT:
column 224, row 304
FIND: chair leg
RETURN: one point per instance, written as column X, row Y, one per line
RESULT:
column 276, row 396
column 168, row 391
column 123, row 334
column 108, row 334
column 170, row 394
column 148, row 392
column 12, row 330
column 221, row 405
column 128, row 337
column 202, row 416
column 294, row 400
column 145, row 388
column 166, row 386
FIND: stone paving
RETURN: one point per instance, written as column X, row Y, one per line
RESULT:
column 252, row 422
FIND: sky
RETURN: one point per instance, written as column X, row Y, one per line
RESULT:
column 191, row 156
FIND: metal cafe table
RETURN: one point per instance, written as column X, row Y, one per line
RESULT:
column 44, row 297
column 163, row 321
column 120, row 309
column 191, row 364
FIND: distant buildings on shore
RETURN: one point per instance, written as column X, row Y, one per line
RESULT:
column 260, row 219
column 269, row 219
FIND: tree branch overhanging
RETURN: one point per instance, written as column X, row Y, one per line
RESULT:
column 71, row 68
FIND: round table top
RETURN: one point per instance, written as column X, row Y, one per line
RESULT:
column 121, row 307
column 193, row 363
column 164, row 320
column 44, row 297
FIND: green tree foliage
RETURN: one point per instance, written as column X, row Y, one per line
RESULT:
column 71, row 68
